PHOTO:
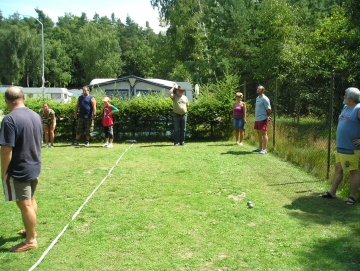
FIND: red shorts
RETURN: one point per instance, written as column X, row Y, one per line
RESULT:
column 262, row 124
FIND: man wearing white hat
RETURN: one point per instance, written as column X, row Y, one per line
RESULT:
column 180, row 107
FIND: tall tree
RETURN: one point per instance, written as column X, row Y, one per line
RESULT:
column 185, row 36
column 68, row 27
column 99, row 52
column 58, row 64
column 137, row 45
column 232, row 36
column 14, row 43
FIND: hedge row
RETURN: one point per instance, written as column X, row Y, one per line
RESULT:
column 150, row 117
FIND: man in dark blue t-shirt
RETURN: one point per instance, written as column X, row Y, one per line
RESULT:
column 87, row 105
column 20, row 140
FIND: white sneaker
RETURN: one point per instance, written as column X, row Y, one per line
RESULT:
column 241, row 144
column 263, row 152
column 110, row 145
column 106, row 144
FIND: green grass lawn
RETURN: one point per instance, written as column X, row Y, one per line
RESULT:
column 181, row 208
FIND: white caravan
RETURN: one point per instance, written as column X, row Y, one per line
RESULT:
column 55, row 94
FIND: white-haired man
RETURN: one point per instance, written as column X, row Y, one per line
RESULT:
column 347, row 154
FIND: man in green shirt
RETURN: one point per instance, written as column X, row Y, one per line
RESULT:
column 180, row 107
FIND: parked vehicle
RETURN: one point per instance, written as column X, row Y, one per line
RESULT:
column 55, row 94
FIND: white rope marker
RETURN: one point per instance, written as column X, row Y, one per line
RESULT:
column 77, row 212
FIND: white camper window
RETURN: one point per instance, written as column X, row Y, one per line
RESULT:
column 55, row 95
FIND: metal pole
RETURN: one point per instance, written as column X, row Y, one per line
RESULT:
column 43, row 53
column 274, row 120
column 330, row 125
column 43, row 58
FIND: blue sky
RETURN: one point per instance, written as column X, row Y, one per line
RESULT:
column 140, row 11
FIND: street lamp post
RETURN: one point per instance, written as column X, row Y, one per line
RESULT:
column 43, row 54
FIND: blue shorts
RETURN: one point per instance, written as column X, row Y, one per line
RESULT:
column 239, row 123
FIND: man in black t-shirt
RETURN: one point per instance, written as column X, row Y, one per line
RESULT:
column 20, row 140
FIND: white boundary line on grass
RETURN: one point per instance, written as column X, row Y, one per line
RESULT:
column 77, row 212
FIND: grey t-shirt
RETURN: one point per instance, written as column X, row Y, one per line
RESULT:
column 261, row 107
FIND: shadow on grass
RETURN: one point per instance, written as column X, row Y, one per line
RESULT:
column 3, row 241
column 169, row 145
column 57, row 146
column 290, row 183
column 340, row 253
column 236, row 152
column 88, row 147
column 217, row 145
column 323, row 211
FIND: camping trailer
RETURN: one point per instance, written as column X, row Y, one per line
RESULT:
column 133, row 86
column 55, row 94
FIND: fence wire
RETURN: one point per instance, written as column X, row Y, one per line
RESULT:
column 304, row 120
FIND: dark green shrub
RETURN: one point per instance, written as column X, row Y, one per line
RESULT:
column 150, row 117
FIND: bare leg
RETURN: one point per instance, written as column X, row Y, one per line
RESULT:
column 354, row 182
column 46, row 131
column 260, row 139
column 242, row 133
column 338, row 176
column 237, row 135
column 52, row 134
column 263, row 139
column 28, row 210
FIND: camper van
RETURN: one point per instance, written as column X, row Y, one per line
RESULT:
column 76, row 92
column 55, row 94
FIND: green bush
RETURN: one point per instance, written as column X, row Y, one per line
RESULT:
column 150, row 117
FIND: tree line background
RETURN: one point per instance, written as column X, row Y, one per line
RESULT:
column 252, row 39
column 305, row 53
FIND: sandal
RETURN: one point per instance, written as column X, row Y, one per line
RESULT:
column 327, row 195
column 350, row 201
column 22, row 233
column 23, row 247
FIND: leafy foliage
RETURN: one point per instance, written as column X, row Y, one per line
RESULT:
column 299, row 42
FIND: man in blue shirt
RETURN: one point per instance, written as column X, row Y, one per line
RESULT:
column 87, row 114
column 21, row 140
column 262, row 113
column 347, row 154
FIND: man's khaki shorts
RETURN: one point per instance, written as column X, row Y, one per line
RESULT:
column 15, row 190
